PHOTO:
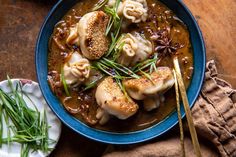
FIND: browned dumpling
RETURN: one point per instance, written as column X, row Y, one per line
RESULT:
column 91, row 29
column 141, row 88
column 113, row 101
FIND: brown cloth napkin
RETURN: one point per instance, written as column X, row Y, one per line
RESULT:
column 214, row 116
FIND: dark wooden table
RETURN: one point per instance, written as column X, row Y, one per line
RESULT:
column 20, row 21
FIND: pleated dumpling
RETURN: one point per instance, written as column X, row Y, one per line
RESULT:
column 136, row 48
column 134, row 10
column 76, row 69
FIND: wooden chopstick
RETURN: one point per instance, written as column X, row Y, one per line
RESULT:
column 179, row 116
column 182, row 89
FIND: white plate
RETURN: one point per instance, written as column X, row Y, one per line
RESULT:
column 33, row 91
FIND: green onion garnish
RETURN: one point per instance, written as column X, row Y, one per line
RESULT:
column 92, row 84
column 112, row 48
column 64, row 82
column 99, row 5
column 1, row 124
column 114, row 21
column 147, row 64
column 112, row 68
column 28, row 128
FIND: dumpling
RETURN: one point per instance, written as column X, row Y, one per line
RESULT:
column 134, row 10
column 135, row 49
column 153, row 102
column 93, row 41
column 76, row 69
column 102, row 116
column 128, row 50
column 141, row 88
column 73, row 37
column 113, row 101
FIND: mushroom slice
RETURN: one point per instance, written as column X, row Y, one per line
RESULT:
column 161, row 81
column 113, row 101
column 91, row 28
column 73, row 37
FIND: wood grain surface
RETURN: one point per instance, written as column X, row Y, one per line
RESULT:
column 20, row 21
column 217, row 20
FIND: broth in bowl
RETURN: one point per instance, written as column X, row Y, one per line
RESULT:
column 110, row 62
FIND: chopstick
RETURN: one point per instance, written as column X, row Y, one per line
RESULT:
column 182, row 89
column 179, row 115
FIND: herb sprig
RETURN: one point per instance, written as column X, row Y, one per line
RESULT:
column 114, row 20
column 1, row 124
column 114, row 69
column 114, row 48
column 93, row 83
column 147, row 64
column 66, row 89
column 28, row 128
column 99, row 5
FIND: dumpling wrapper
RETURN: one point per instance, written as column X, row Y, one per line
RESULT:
column 113, row 101
column 141, row 88
column 76, row 69
column 134, row 10
column 93, row 41
column 135, row 49
column 151, row 103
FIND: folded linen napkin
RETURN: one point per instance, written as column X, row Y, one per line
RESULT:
column 214, row 116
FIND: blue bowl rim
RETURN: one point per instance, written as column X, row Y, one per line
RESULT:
column 203, row 49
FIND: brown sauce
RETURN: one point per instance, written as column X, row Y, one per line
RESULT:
column 83, row 105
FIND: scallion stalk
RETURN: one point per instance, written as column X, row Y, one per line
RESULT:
column 1, row 124
column 147, row 64
column 64, row 82
column 99, row 5
column 29, row 128
column 115, row 21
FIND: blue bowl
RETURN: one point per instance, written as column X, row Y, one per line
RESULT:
column 41, row 57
